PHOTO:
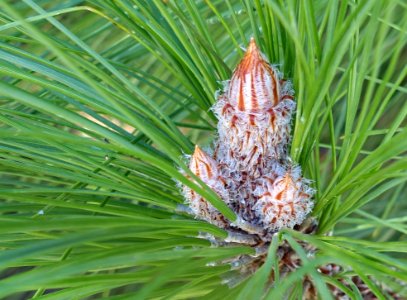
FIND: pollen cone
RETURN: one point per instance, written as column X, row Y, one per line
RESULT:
column 254, row 86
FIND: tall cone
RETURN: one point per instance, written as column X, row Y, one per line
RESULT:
column 254, row 115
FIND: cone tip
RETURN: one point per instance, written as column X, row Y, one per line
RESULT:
column 197, row 149
column 199, row 153
column 252, row 46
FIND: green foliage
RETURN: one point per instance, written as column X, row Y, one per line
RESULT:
column 100, row 100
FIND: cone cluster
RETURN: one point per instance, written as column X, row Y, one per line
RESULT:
column 250, row 168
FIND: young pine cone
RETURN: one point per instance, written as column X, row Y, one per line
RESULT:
column 250, row 169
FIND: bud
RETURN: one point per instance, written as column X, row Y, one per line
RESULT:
column 205, row 167
column 254, row 86
column 286, row 202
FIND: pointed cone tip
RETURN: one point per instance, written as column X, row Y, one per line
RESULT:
column 252, row 48
column 198, row 152
column 252, row 43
